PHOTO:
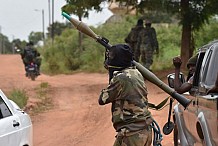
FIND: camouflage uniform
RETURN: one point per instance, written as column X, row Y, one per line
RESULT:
column 132, row 39
column 147, row 42
column 130, row 115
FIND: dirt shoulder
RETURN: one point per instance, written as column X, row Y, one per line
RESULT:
column 75, row 118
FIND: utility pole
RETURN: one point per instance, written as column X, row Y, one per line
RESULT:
column 49, row 13
column 1, row 35
column 52, row 26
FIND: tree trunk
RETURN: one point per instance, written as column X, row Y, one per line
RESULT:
column 186, row 45
column 80, row 37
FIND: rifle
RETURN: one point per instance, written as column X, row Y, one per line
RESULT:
column 82, row 27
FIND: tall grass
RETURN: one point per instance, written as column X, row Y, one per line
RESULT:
column 19, row 96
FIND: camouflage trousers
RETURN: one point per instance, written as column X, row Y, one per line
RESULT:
column 139, row 138
column 136, row 51
column 147, row 58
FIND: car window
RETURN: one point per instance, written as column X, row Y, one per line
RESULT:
column 210, row 68
column 4, row 110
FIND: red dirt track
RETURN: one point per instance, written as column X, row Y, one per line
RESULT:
column 76, row 119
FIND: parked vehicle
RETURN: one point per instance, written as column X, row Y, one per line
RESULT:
column 15, row 124
column 32, row 71
column 198, row 123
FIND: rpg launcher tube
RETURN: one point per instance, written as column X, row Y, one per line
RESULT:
column 155, row 80
column 82, row 27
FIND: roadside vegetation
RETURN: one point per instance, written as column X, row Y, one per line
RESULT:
column 19, row 96
column 43, row 101
column 65, row 55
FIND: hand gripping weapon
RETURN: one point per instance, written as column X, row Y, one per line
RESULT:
column 82, row 27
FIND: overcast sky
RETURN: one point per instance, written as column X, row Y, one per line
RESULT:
column 19, row 17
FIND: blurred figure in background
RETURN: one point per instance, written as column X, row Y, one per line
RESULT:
column 148, row 44
column 132, row 38
column 30, row 54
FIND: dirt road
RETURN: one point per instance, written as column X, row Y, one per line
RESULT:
column 76, row 119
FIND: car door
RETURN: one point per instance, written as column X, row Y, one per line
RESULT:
column 9, row 125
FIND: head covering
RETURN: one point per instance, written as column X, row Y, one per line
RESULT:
column 120, row 56
column 140, row 22
column 147, row 21
column 192, row 61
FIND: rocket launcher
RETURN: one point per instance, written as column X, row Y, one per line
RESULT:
column 82, row 27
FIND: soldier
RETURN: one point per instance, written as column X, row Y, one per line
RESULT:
column 191, row 65
column 132, row 38
column 127, row 93
column 147, row 42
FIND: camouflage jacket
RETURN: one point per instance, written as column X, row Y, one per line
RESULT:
column 128, row 94
column 147, row 39
column 132, row 37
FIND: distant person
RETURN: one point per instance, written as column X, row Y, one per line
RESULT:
column 191, row 65
column 148, row 44
column 127, row 94
column 30, row 54
column 132, row 38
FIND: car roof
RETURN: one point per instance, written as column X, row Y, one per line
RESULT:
column 207, row 46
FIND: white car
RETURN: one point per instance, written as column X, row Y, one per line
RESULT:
column 15, row 125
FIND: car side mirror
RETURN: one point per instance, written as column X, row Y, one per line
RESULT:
column 171, row 78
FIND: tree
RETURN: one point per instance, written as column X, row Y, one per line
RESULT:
column 58, row 28
column 81, row 9
column 192, row 14
column 35, row 37
column 5, row 45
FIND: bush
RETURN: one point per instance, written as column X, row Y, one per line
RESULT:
column 19, row 97
column 65, row 56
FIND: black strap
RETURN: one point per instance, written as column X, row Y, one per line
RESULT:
column 159, row 106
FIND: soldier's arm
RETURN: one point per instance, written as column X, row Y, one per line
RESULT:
column 111, row 93
column 128, row 38
column 154, row 36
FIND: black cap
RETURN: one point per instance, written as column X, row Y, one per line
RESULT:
column 120, row 55
column 140, row 22
column 192, row 61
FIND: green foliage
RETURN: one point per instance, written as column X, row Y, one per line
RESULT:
column 207, row 33
column 35, row 37
column 81, row 8
column 168, row 36
column 19, row 97
column 58, row 28
column 5, row 45
column 64, row 55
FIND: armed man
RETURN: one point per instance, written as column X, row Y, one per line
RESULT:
column 132, row 38
column 127, row 93
column 148, row 44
